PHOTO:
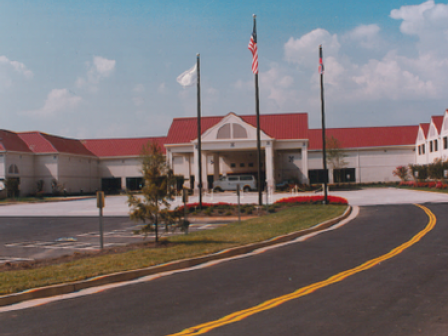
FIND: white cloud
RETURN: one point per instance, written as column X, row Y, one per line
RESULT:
column 17, row 66
column 427, row 21
column 367, row 36
column 304, row 51
column 58, row 101
column 99, row 69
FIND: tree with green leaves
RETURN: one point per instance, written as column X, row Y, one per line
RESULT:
column 153, row 207
column 335, row 155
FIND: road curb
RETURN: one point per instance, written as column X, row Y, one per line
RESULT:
column 43, row 292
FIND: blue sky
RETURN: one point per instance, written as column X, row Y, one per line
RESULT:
column 98, row 69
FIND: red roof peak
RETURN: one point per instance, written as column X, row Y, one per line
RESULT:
column 438, row 121
column 280, row 126
column 425, row 128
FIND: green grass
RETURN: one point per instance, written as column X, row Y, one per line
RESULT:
column 193, row 245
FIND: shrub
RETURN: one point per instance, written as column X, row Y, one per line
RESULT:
column 402, row 172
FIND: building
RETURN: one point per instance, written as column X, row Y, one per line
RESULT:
column 290, row 150
column 432, row 140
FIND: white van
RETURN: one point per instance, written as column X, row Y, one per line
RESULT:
column 246, row 183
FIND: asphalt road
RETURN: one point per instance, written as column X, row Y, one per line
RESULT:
column 405, row 295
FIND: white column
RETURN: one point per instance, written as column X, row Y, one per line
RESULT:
column 215, row 166
column 269, row 150
column 169, row 158
column 305, row 163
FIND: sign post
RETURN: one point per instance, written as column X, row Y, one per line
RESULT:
column 100, row 205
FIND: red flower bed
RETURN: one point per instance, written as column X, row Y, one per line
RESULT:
column 432, row 184
column 313, row 200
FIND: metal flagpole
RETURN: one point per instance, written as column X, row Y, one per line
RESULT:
column 257, row 111
column 324, row 150
column 198, row 84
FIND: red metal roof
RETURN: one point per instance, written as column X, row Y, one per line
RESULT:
column 10, row 141
column 425, row 128
column 359, row 137
column 438, row 121
column 278, row 126
column 120, row 147
column 45, row 143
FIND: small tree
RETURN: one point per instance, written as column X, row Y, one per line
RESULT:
column 402, row 172
column 335, row 155
column 153, row 207
column 12, row 187
column 419, row 172
column 436, row 169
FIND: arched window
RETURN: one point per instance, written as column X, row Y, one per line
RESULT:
column 239, row 132
column 13, row 169
column 224, row 132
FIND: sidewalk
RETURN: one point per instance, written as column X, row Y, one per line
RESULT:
column 117, row 206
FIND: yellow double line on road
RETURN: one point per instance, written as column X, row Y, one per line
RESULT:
column 239, row 315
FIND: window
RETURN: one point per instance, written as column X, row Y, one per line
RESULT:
column 419, row 150
column 423, row 149
column 251, row 164
column 246, row 178
column 445, row 142
column 318, row 176
column 436, row 145
column 233, row 178
column 239, row 132
column 431, row 147
column 232, row 165
column 344, row 175
column 13, row 169
column 224, row 132
column 242, row 165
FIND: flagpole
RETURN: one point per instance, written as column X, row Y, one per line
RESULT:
column 198, row 85
column 257, row 111
column 324, row 150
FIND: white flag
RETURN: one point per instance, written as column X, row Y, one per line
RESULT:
column 188, row 78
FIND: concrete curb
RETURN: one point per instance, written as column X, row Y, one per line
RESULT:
column 66, row 288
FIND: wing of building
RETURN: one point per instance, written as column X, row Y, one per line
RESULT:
column 290, row 150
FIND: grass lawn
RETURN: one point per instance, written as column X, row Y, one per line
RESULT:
column 184, row 246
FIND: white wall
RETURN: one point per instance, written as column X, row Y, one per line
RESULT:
column 25, row 165
column 46, row 169
column 120, row 168
column 78, row 173
column 371, row 165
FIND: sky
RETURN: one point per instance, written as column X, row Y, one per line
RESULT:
column 108, row 68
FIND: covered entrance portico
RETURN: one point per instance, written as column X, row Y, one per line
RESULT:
column 229, row 147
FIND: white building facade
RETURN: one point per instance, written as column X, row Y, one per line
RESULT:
column 289, row 151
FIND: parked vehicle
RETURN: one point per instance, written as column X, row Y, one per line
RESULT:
column 286, row 185
column 246, row 183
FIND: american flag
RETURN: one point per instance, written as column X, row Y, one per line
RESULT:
column 254, row 49
column 321, row 63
